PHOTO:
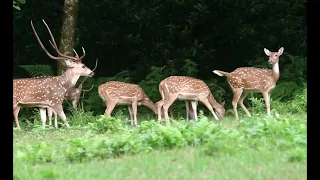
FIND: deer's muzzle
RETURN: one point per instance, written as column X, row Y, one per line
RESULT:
column 91, row 74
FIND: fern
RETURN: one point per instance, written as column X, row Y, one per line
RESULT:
column 38, row 70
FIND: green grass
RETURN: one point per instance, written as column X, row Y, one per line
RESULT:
column 249, row 149
column 188, row 163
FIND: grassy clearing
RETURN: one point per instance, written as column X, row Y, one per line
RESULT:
column 253, row 148
column 188, row 163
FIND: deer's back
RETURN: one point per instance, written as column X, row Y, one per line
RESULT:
column 34, row 90
column 116, row 89
column 250, row 78
column 184, row 84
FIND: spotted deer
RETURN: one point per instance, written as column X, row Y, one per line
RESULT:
column 44, row 92
column 115, row 92
column 187, row 89
column 72, row 94
column 249, row 79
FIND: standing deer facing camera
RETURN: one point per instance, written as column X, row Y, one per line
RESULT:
column 188, row 89
column 249, row 79
column 115, row 92
column 49, row 92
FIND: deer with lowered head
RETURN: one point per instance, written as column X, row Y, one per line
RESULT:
column 249, row 79
column 48, row 92
column 115, row 92
column 187, row 89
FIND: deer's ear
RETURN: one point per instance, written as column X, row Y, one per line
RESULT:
column 280, row 51
column 268, row 53
column 223, row 103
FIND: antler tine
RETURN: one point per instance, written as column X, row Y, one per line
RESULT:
column 73, row 49
column 55, row 44
column 42, row 46
column 75, row 52
column 52, row 44
column 84, row 53
column 86, row 90
column 95, row 65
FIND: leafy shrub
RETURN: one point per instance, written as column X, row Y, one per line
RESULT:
column 287, row 133
column 106, row 124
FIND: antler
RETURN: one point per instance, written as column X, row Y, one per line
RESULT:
column 75, row 52
column 54, row 45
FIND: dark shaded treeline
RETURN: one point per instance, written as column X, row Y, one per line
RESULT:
column 138, row 34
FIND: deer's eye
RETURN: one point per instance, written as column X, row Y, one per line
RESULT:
column 83, row 66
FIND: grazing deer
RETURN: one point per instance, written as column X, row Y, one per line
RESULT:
column 49, row 92
column 190, row 89
column 115, row 92
column 249, row 79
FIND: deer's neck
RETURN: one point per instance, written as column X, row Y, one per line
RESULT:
column 275, row 72
column 148, row 103
column 69, row 79
column 213, row 102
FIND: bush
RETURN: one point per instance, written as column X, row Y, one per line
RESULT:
column 287, row 133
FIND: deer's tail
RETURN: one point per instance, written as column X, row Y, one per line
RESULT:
column 221, row 73
column 101, row 94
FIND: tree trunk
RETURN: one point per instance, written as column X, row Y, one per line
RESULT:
column 69, row 19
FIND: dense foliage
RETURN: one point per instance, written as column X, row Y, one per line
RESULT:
column 286, row 133
column 146, row 41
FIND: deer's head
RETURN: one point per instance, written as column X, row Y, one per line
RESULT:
column 220, row 110
column 273, row 56
column 74, row 64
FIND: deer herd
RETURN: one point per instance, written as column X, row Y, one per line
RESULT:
column 48, row 93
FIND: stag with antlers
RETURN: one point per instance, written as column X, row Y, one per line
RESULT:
column 249, row 79
column 115, row 92
column 187, row 89
column 49, row 92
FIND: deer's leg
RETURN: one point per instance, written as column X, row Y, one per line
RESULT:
column 167, row 103
column 159, row 108
column 187, row 110
column 74, row 104
column 267, row 101
column 15, row 115
column 131, row 114
column 194, row 107
column 134, row 109
column 55, row 119
column 269, row 97
column 242, row 97
column 49, row 115
column 208, row 105
column 50, row 111
column 59, row 110
column 43, row 117
column 110, row 107
column 236, row 96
